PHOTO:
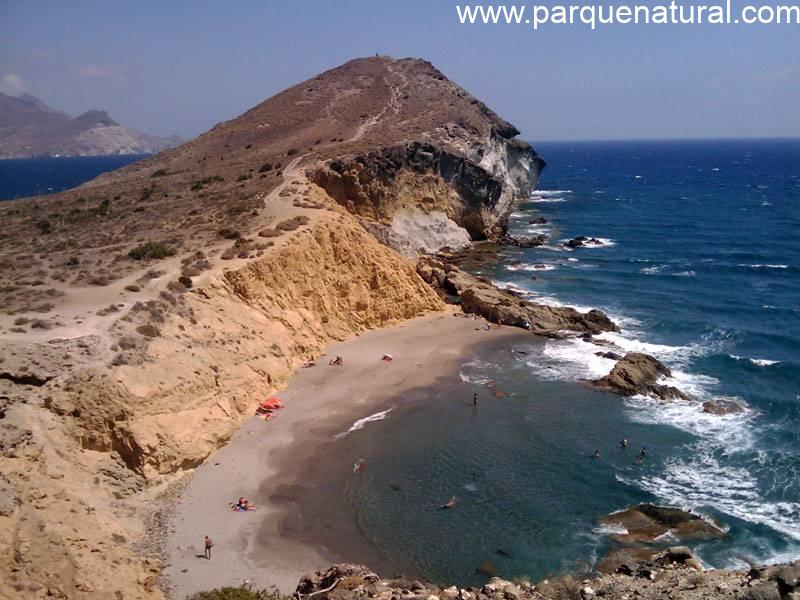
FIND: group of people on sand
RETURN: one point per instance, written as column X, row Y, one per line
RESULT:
column 623, row 444
column 243, row 505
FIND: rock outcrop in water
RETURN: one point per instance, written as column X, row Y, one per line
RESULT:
column 479, row 297
column 648, row 522
column 638, row 373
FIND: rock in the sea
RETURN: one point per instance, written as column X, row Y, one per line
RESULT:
column 582, row 242
column 638, row 373
column 609, row 355
column 538, row 221
column 477, row 296
column 524, row 241
column 646, row 522
column 724, row 406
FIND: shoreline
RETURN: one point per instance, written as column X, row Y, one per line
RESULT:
column 267, row 458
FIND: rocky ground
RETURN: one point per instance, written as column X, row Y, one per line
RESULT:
column 665, row 576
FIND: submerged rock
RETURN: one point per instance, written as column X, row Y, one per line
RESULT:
column 486, row 568
column 638, row 373
column 647, row 522
column 724, row 406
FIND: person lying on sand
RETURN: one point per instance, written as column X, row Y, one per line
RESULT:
column 359, row 465
column 449, row 504
column 337, row 362
column 387, row 358
column 309, row 363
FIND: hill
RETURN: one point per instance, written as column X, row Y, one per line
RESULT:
column 28, row 127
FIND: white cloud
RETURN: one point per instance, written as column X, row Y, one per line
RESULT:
column 11, row 83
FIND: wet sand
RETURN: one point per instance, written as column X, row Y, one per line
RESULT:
column 265, row 461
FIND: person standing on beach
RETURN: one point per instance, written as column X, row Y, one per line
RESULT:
column 475, row 399
column 209, row 543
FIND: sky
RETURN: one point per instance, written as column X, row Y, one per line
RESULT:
column 180, row 66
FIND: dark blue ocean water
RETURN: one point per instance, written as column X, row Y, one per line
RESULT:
column 34, row 176
column 700, row 265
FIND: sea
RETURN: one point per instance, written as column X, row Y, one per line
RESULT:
column 24, row 177
column 697, row 259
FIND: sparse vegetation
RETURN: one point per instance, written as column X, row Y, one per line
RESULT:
column 151, row 250
column 201, row 183
column 292, row 152
column 265, row 168
column 160, row 173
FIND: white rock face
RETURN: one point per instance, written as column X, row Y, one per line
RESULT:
column 116, row 139
column 429, row 231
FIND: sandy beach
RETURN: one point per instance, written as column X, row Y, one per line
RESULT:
column 262, row 457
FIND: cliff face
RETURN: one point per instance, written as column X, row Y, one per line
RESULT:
column 426, row 196
column 147, row 312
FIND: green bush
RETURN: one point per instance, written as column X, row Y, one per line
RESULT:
column 244, row 592
column 150, row 250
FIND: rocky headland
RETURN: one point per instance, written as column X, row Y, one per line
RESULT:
column 28, row 128
column 149, row 311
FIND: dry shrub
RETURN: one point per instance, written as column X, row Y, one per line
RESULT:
column 151, row 250
column 111, row 308
column 293, row 223
column 148, row 330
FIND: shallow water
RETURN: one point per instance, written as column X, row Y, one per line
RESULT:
column 700, row 266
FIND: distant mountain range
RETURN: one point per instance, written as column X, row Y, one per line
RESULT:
column 28, row 127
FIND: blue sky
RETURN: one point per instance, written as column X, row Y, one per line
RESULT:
column 178, row 66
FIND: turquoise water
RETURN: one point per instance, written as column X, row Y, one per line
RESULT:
column 700, row 265
column 24, row 177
